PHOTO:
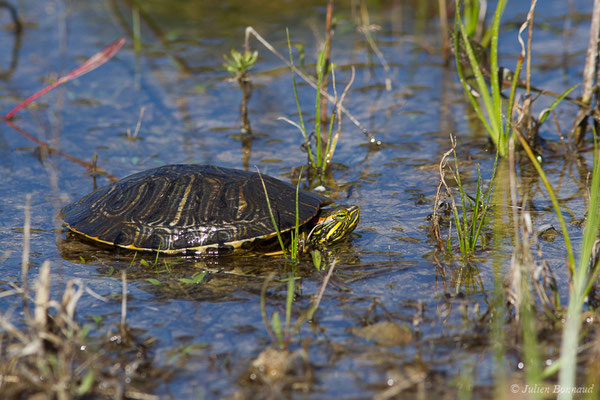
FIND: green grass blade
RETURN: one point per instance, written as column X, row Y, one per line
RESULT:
column 263, row 305
column 471, row 16
column 560, row 98
column 271, row 214
column 496, row 113
column 86, row 383
column 476, row 216
column 276, row 326
column 593, row 218
column 482, row 86
column 320, row 74
column 459, row 232
column 582, row 283
column 487, row 196
column 512, row 94
column 462, row 228
column 554, row 200
column 531, row 351
column 289, row 301
column 332, row 119
column 492, row 102
column 463, row 81
column 296, row 237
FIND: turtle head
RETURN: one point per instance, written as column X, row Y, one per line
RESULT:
column 334, row 224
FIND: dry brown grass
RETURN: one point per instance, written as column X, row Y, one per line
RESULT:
column 45, row 353
column 50, row 356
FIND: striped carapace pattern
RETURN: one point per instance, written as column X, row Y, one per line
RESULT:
column 202, row 208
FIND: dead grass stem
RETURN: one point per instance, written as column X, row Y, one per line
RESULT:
column 49, row 355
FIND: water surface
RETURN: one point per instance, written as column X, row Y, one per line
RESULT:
column 192, row 115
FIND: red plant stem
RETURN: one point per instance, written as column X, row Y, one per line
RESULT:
column 92, row 63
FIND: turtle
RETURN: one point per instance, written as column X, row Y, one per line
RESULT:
column 204, row 209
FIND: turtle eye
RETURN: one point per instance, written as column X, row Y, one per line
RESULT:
column 341, row 215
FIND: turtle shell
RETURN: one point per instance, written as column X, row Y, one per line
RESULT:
column 198, row 208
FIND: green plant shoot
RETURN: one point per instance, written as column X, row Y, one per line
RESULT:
column 240, row 63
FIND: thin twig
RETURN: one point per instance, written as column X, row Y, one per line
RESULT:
column 95, row 295
column 442, row 183
column 139, row 123
column 71, row 298
column 529, row 36
column 25, row 255
column 321, row 291
column 338, row 108
column 443, row 12
column 289, row 121
column 42, row 296
column 526, row 120
column 587, row 88
column 124, row 298
column 332, row 141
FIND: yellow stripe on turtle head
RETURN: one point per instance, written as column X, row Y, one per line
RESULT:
column 334, row 225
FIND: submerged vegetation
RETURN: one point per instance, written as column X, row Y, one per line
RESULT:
column 494, row 283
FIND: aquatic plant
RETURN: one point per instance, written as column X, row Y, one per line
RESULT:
column 239, row 63
column 297, row 238
column 134, row 135
column 469, row 217
column 474, row 12
column 497, row 114
column 469, row 230
column 315, row 162
column 324, row 146
column 493, row 119
column 311, row 82
column 283, row 334
column 278, row 333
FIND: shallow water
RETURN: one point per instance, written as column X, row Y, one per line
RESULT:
column 192, row 115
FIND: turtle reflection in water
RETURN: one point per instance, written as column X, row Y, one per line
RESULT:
column 203, row 209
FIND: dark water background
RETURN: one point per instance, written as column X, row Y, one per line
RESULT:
column 192, row 116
